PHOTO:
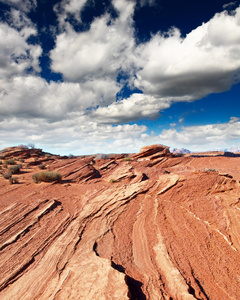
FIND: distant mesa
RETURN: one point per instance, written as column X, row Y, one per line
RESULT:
column 180, row 151
column 233, row 150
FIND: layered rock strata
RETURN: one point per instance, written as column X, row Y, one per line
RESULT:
column 149, row 226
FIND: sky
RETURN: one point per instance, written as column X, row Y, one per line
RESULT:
column 87, row 76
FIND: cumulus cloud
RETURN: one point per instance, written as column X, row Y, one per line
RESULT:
column 23, row 5
column 205, row 137
column 84, row 136
column 16, row 55
column 136, row 107
column 76, row 114
column 78, row 136
column 167, row 68
column 68, row 8
column 206, row 61
column 32, row 96
column 102, row 51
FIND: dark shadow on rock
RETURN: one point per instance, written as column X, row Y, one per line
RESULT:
column 135, row 291
column 134, row 286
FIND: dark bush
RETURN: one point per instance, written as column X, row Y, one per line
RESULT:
column 127, row 158
column 7, row 175
column 21, row 146
column 42, row 166
column 47, row 176
column 31, row 146
column 10, row 161
column 13, row 180
column 15, row 169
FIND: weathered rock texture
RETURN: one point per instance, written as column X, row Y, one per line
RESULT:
column 149, row 226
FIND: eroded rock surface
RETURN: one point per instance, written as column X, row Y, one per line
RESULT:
column 149, row 226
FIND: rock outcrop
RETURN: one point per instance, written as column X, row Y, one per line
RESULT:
column 20, row 152
column 150, row 226
column 152, row 152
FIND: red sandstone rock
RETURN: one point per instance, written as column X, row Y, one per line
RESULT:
column 150, row 150
column 166, row 228
column 20, row 152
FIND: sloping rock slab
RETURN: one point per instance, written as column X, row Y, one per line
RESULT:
column 83, row 174
column 147, row 151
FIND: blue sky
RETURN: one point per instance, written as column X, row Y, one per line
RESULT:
column 88, row 76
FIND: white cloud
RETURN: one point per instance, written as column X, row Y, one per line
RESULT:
column 136, row 107
column 168, row 68
column 200, row 138
column 67, row 8
column 16, row 55
column 78, row 136
column 32, row 96
column 206, row 61
column 102, row 51
column 85, row 136
column 23, row 5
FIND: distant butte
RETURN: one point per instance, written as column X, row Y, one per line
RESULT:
column 151, row 225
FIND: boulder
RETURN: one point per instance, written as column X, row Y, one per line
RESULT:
column 148, row 151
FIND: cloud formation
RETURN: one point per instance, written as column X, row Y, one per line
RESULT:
column 23, row 5
column 31, row 96
column 134, row 108
column 206, row 61
column 16, row 55
column 206, row 137
column 101, row 52
column 78, row 112
column 78, row 136
column 168, row 68
column 68, row 8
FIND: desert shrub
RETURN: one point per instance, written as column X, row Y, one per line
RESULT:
column 211, row 170
column 127, row 158
column 31, row 146
column 47, row 176
column 42, row 166
column 47, row 155
column 15, row 169
column 10, row 161
column 102, row 156
column 7, row 175
column 13, row 180
column 21, row 146
column 71, row 156
column 179, row 154
column 112, row 180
